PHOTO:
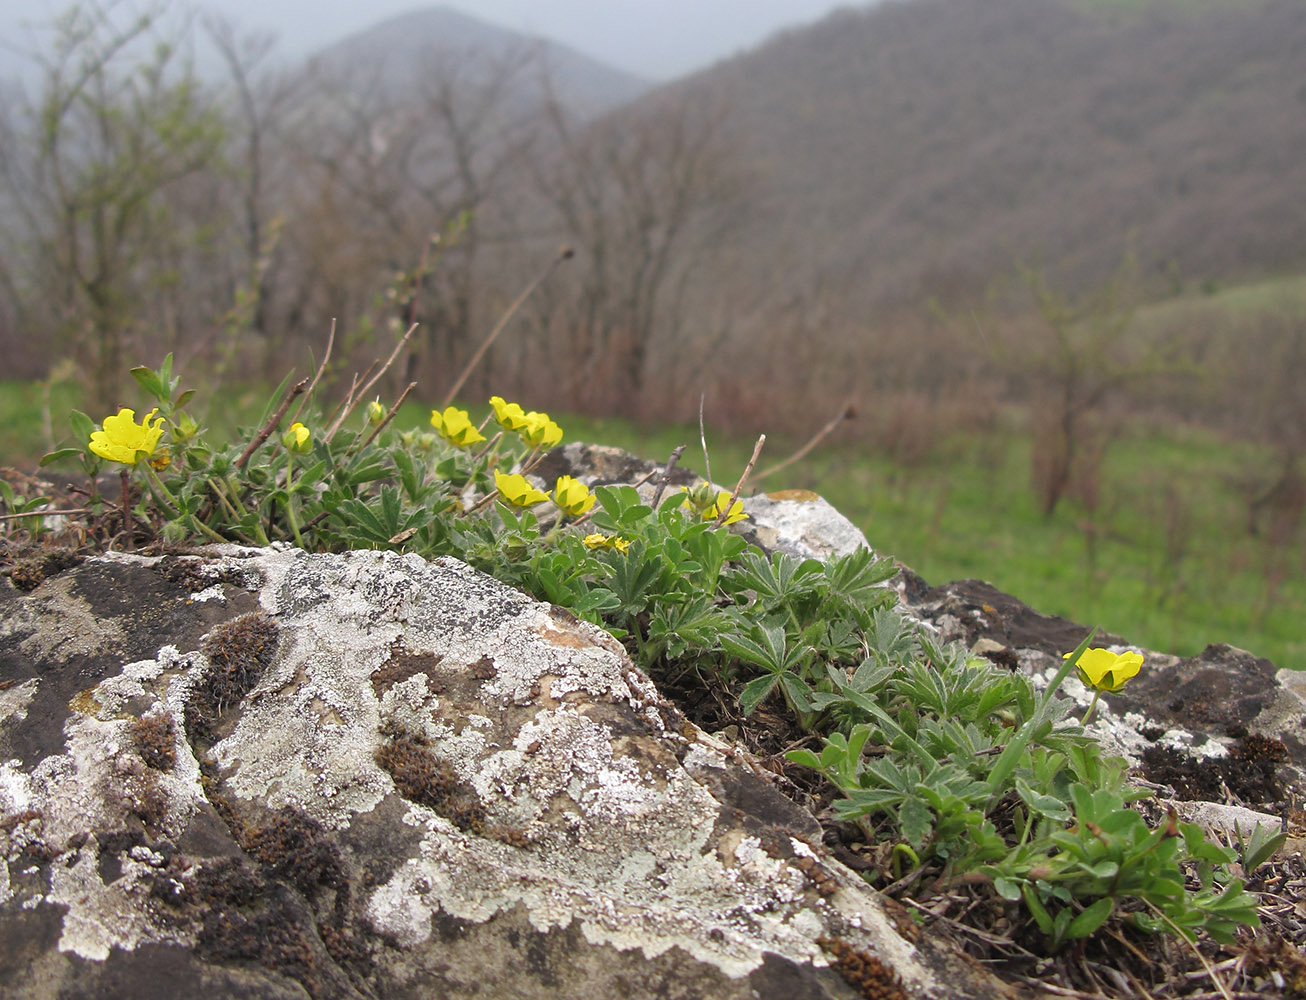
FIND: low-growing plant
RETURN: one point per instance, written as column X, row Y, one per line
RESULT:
column 961, row 769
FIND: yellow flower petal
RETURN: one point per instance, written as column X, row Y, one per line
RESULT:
column 298, row 439
column 517, row 491
column 735, row 514
column 456, row 427
column 539, row 431
column 573, row 496
column 510, row 416
column 1105, row 670
column 123, row 440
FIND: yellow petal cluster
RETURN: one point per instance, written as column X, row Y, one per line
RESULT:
column 516, row 491
column 573, row 496
column 733, row 514
column 1107, row 671
column 298, row 439
column 600, row 541
column 456, row 427
column 123, row 440
column 540, row 431
column 511, row 416
column 375, row 413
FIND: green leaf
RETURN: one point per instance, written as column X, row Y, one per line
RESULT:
column 1093, row 917
column 756, row 690
column 916, row 822
column 149, row 380
column 804, row 758
column 1007, row 888
column 82, row 425
column 49, row 458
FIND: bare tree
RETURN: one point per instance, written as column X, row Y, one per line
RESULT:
column 632, row 193
column 119, row 125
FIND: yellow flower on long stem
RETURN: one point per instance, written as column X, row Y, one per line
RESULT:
column 718, row 510
column 573, row 496
column 511, row 416
column 539, row 431
column 601, row 541
column 517, row 491
column 1103, row 670
column 456, row 427
column 298, row 439
column 123, row 440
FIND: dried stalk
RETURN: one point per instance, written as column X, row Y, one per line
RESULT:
column 271, row 425
column 321, row 369
column 757, row 450
column 671, row 464
column 363, row 390
column 846, row 412
column 564, row 253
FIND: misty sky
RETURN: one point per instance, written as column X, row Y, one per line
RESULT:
column 657, row 39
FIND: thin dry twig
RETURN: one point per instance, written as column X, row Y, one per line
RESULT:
column 702, row 437
column 366, row 386
column 671, row 464
column 564, row 253
column 52, row 512
column 271, row 425
column 1216, row 981
column 846, row 412
column 390, row 415
column 321, row 369
column 757, row 450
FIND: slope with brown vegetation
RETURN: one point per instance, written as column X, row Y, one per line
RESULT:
column 920, row 148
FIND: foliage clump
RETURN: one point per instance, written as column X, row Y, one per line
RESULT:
column 955, row 770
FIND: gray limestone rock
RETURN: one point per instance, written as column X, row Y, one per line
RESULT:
column 263, row 773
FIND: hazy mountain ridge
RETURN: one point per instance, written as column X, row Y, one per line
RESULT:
column 399, row 53
column 910, row 147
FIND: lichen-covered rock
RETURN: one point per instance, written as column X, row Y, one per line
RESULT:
column 262, row 773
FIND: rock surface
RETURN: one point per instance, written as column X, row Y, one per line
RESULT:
column 263, row 773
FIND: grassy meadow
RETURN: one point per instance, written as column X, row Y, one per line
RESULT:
column 1165, row 559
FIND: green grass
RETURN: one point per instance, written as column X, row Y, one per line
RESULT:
column 969, row 512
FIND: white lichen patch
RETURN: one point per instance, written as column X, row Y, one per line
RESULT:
column 57, row 624
column 14, row 700
column 101, row 917
column 590, row 818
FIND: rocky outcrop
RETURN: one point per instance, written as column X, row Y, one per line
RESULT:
column 271, row 774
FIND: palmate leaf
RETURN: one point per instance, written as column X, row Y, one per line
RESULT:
column 755, row 691
column 860, row 577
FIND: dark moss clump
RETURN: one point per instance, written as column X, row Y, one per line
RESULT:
column 154, row 737
column 296, row 848
column 195, row 573
column 266, row 937
column 1249, row 771
column 238, row 651
column 423, row 779
column 865, row 973
column 29, row 573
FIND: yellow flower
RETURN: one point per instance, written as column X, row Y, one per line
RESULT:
column 124, row 440
column 1107, row 671
column 160, row 460
column 540, row 431
column 456, row 427
column 573, row 496
column 509, row 415
column 298, row 439
column 712, row 511
column 375, row 413
column 517, row 491
column 600, row 541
